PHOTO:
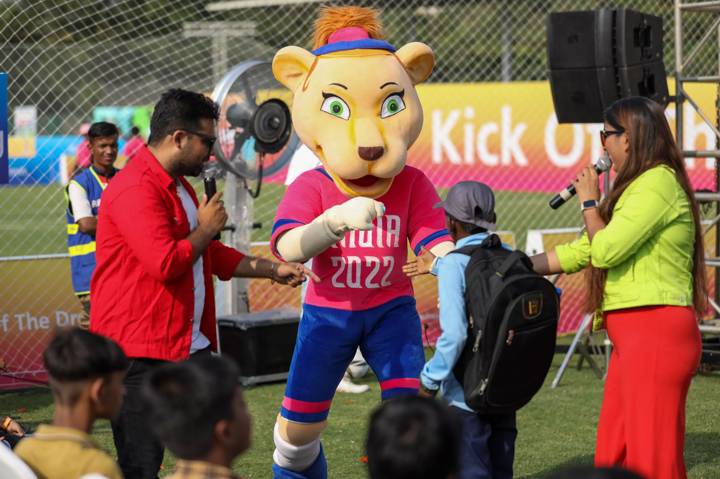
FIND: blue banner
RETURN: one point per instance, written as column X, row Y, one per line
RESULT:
column 4, row 169
column 44, row 167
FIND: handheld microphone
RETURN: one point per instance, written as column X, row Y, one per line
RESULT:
column 603, row 164
column 210, row 190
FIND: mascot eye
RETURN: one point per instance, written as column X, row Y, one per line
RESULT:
column 336, row 107
column 392, row 105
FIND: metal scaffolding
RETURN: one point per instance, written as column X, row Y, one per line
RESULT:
column 682, row 61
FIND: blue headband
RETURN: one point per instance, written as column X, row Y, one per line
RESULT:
column 363, row 44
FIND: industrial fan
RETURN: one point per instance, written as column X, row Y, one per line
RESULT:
column 255, row 136
column 255, row 140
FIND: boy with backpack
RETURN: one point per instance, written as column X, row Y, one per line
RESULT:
column 487, row 445
column 499, row 323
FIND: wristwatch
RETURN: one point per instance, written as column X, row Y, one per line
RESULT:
column 588, row 204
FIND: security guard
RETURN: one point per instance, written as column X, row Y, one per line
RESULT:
column 83, row 201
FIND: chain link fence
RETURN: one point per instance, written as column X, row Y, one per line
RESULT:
column 69, row 58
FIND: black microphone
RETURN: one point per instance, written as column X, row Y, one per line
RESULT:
column 210, row 190
column 602, row 165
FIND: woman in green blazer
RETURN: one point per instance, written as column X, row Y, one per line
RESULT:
column 643, row 249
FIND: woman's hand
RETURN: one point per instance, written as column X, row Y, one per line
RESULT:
column 587, row 185
column 292, row 274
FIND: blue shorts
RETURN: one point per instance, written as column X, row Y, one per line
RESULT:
column 389, row 336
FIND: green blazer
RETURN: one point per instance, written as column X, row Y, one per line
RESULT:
column 647, row 247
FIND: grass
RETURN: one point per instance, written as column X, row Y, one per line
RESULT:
column 32, row 218
column 556, row 429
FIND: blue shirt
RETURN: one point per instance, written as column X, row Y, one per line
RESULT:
column 438, row 371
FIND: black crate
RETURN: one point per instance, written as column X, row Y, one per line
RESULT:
column 261, row 343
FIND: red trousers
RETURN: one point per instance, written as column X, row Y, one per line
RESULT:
column 656, row 351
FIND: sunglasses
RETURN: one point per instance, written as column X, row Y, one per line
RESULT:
column 208, row 140
column 605, row 133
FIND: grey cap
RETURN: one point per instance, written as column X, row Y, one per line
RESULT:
column 471, row 202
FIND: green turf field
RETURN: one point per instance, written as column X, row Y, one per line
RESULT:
column 32, row 218
column 555, row 430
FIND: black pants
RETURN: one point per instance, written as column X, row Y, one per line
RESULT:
column 487, row 445
column 140, row 453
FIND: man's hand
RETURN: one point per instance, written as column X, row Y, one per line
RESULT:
column 88, row 225
column 292, row 274
column 13, row 427
column 211, row 215
column 422, row 264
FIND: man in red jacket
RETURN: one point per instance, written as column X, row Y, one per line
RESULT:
column 152, row 286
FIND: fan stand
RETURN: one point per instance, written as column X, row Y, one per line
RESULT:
column 232, row 296
column 268, row 122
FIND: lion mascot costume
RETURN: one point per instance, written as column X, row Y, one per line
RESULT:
column 355, row 106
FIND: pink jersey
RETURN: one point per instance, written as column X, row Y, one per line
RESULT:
column 364, row 269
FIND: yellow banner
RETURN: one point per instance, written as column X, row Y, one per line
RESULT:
column 21, row 147
column 507, row 135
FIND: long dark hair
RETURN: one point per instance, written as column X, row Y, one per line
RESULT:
column 651, row 144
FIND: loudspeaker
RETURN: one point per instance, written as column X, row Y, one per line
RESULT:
column 598, row 57
column 261, row 344
column 579, row 94
column 579, row 40
column 645, row 79
column 639, row 37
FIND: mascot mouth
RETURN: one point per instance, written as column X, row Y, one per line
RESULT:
column 364, row 181
column 369, row 185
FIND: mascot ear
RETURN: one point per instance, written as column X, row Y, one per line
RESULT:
column 290, row 66
column 418, row 60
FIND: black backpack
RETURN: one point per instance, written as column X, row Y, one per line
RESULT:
column 512, row 325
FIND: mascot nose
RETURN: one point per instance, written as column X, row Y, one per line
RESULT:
column 370, row 153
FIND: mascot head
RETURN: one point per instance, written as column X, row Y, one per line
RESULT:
column 355, row 103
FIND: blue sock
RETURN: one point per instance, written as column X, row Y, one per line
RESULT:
column 317, row 470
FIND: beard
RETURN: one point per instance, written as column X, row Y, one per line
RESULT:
column 193, row 166
column 195, row 171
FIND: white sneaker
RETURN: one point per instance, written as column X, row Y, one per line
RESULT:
column 357, row 370
column 347, row 386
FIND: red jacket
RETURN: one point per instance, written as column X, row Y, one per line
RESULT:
column 142, row 288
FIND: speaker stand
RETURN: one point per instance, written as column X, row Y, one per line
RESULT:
column 584, row 348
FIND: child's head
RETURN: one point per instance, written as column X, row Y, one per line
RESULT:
column 85, row 368
column 412, row 437
column 197, row 406
column 469, row 209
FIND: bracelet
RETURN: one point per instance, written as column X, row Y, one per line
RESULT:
column 6, row 422
column 273, row 267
